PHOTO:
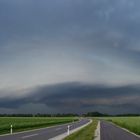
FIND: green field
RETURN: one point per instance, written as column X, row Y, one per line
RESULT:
column 130, row 123
column 86, row 133
column 28, row 123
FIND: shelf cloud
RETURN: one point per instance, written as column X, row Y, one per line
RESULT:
column 55, row 54
column 76, row 97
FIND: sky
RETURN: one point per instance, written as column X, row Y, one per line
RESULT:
column 69, row 56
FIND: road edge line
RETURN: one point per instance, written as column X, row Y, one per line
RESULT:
column 35, row 129
column 64, row 135
column 126, row 130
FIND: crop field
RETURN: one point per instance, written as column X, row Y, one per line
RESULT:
column 28, row 123
column 130, row 123
column 86, row 133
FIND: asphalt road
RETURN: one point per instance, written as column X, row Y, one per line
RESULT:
column 109, row 131
column 46, row 133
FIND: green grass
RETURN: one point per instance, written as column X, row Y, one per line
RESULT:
column 87, row 133
column 130, row 123
column 28, row 123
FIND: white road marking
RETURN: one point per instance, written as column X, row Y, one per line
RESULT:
column 22, row 132
column 62, row 136
column 29, row 136
column 58, row 129
column 97, row 132
column 126, row 130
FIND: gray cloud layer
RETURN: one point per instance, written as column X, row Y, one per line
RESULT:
column 78, row 97
column 49, row 42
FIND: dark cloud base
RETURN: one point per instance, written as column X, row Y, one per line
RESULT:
column 79, row 98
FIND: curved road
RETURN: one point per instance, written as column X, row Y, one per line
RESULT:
column 108, row 131
column 45, row 133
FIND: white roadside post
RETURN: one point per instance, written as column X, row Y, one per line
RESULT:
column 11, row 130
column 68, row 129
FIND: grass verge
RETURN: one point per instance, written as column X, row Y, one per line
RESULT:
column 87, row 133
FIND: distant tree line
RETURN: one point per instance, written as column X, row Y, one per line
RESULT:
column 16, row 115
column 95, row 114
column 38, row 115
column 89, row 114
column 98, row 114
column 131, row 115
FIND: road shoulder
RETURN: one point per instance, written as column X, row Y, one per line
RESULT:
column 64, row 135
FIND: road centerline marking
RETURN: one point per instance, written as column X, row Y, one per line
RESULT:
column 24, row 137
column 58, row 129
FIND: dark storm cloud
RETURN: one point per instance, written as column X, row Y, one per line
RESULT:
column 44, row 42
column 77, row 97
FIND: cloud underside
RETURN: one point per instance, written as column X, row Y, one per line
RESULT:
column 77, row 98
